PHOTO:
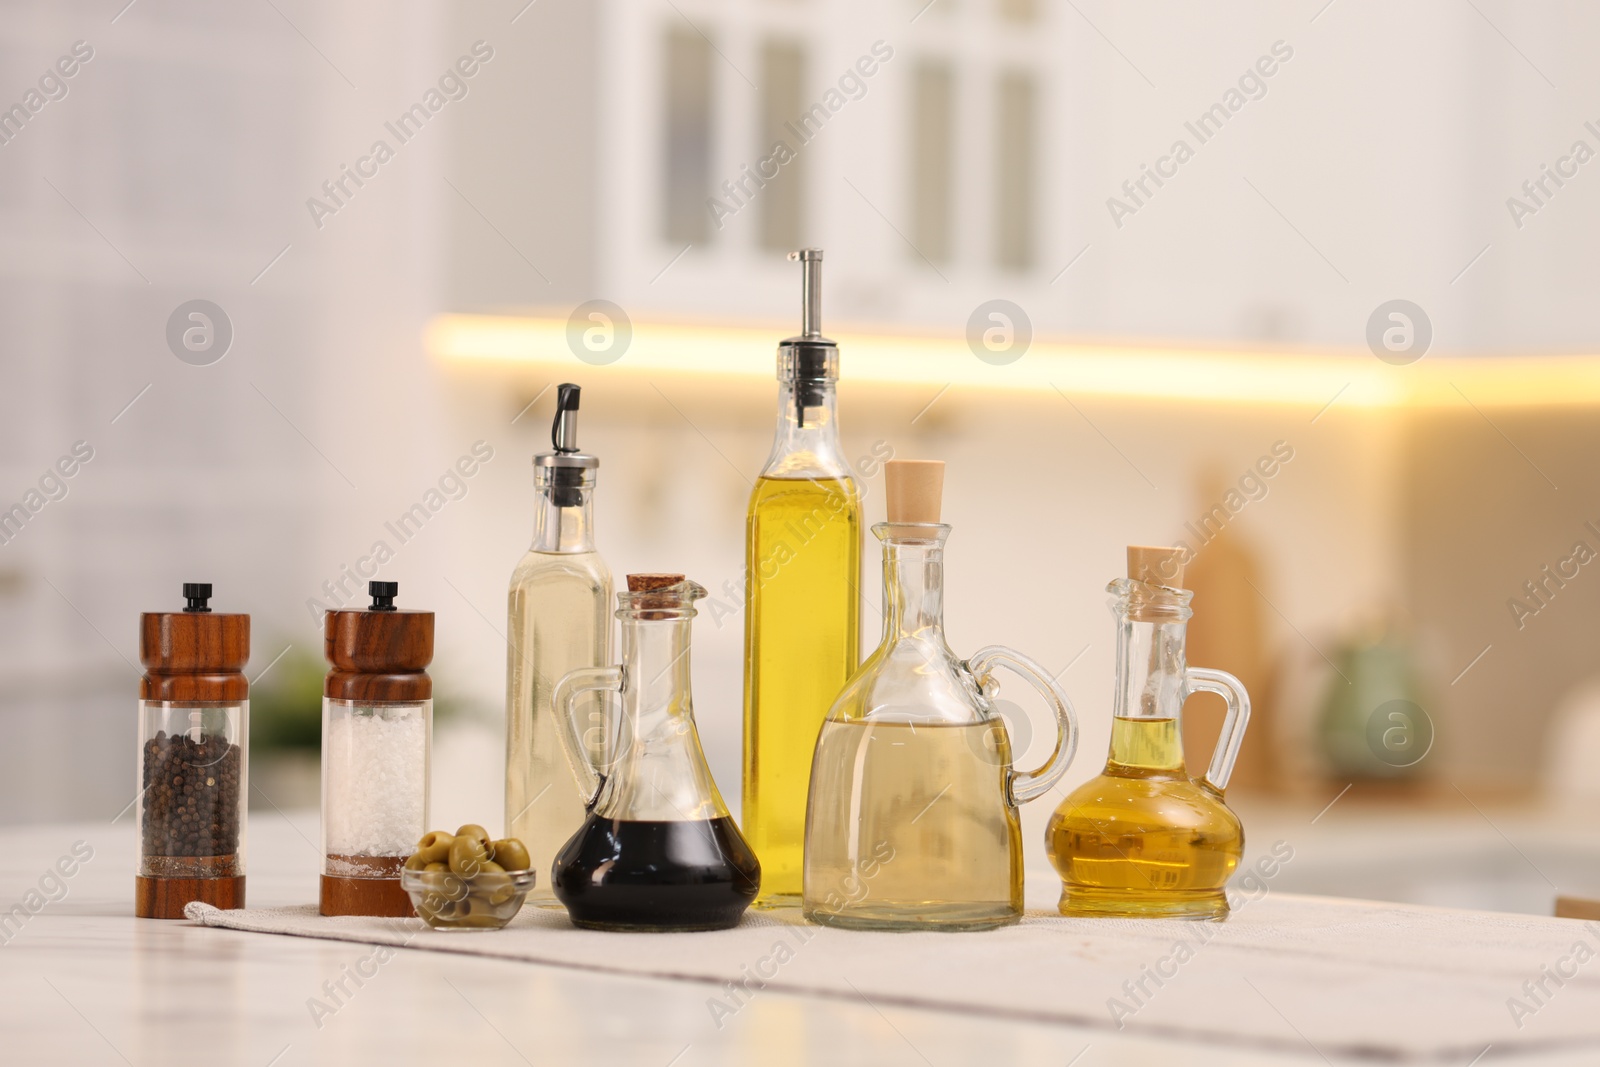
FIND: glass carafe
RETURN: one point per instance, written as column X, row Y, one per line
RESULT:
column 1143, row 839
column 912, row 821
column 658, row 849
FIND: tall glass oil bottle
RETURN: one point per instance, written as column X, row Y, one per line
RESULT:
column 802, row 601
column 559, row 620
column 1143, row 839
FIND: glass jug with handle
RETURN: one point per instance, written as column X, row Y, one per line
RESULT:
column 1144, row 839
column 658, row 849
column 912, row 819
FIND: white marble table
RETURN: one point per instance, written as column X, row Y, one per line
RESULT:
column 82, row 982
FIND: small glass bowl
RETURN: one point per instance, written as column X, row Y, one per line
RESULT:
column 449, row 901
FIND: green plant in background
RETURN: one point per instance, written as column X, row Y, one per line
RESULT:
column 286, row 705
column 1373, row 724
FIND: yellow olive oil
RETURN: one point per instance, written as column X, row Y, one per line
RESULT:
column 802, row 641
column 1143, row 839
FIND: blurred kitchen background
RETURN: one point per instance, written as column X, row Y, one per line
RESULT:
column 1166, row 340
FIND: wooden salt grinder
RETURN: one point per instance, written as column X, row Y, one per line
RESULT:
column 379, row 655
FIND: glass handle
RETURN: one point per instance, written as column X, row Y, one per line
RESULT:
column 590, row 773
column 1229, row 688
column 1029, row 785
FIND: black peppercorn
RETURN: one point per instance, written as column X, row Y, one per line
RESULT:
column 191, row 804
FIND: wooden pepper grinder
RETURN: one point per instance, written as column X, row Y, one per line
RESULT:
column 377, row 734
column 194, row 737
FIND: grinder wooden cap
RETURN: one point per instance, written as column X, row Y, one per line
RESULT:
column 1156, row 565
column 194, row 654
column 380, row 653
column 914, row 488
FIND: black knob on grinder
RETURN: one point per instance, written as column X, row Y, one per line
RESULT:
column 196, row 594
column 383, row 594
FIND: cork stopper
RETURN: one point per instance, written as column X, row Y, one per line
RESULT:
column 914, row 488
column 649, row 583
column 1156, row 565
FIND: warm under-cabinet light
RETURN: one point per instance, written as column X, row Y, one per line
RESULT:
column 1133, row 370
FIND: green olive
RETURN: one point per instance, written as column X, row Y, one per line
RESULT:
column 487, row 922
column 436, row 866
column 467, row 855
column 511, row 854
column 434, row 846
column 416, row 862
column 496, row 889
column 478, row 907
column 473, row 830
column 492, row 883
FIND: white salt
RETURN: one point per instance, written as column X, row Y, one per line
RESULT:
column 375, row 770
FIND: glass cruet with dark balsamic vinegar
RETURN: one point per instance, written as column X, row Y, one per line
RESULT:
column 913, row 820
column 658, row 849
column 1143, row 839
column 559, row 618
column 802, row 594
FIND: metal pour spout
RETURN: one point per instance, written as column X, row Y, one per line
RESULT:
column 564, row 432
column 810, row 292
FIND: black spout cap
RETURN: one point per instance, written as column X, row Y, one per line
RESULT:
column 564, row 431
column 196, row 594
column 383, row 594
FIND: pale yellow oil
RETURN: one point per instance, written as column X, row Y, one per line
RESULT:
column 1143, row 839
column 560, row 607
column 802, row 641
column 911, row 828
